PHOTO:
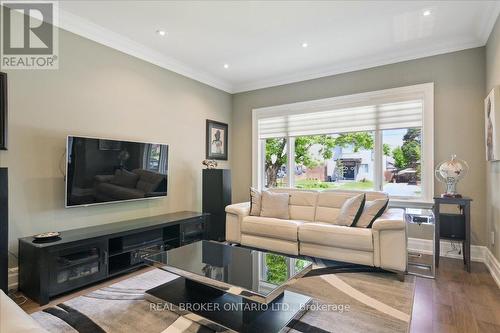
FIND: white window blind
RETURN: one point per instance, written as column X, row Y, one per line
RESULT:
column 353, row 119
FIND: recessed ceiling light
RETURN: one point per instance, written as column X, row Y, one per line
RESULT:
column 304, row 45
column 426, row 12
column 161, row 32
column 226, row 66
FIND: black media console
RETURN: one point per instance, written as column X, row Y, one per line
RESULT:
column 87, row 255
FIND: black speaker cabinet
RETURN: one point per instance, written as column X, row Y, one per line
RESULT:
column 216, row 196
column 452, row 226
column 4, row 229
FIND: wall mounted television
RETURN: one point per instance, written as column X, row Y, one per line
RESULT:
column 100, row 171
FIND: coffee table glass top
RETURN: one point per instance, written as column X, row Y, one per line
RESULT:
column 253, row 274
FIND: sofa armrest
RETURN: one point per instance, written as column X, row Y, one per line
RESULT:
column 392, row 219
column 14, row 319
column 389, row 241
column 234, row 218
column 240, row 209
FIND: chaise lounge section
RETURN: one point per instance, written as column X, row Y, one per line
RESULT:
column 311, row 231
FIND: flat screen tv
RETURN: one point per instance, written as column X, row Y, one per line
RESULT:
column 102, row 171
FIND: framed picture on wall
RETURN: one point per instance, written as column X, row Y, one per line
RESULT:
column 3, row 111
column 492, row 118
column 216, row 141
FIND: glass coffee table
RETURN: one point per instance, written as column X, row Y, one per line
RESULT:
column 227, row 287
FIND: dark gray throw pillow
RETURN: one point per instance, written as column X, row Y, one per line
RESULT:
column 125, row 178
column 372, row 211
column 351, row 210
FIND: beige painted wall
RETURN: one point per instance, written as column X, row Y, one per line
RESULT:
column 459, row 80
column 493, row 169
column 98, row 91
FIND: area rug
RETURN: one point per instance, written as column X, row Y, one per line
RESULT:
column 342, row 302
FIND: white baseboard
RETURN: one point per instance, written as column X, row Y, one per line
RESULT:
column 477, row 253
column 13, row 278
column 493, row 266
column 425, row 246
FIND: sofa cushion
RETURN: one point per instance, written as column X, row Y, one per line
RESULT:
column 270, row 227
column 337, row 253
column 271, row 244
column 275, row 205
column 125, row 178
column 329, row 205
column 255, row 201
column 302, row 203
column 372, row 210
column 336, row 236
column 351, row 210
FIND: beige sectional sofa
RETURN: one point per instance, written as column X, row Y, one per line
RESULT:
column 311, row 231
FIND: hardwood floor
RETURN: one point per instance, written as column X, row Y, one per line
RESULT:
column 455, row 301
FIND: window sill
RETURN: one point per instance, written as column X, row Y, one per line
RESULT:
column 410, row 203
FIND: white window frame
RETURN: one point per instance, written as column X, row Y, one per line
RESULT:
column 423, row 91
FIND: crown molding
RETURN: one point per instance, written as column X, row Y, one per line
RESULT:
column 97, row 33
column 357, row 65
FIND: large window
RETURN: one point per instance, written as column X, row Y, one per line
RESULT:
column 275, row 162
column 371, row 141
column 343, row 161
column 402, row 162
column 154, row 158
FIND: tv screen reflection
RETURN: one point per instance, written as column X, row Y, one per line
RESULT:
column 102, row 171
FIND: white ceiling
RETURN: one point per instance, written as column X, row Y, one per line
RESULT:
column 262, row 40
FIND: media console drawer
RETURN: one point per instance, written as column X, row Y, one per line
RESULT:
column 88, row 255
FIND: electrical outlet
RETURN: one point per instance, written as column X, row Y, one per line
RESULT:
column 492, row 238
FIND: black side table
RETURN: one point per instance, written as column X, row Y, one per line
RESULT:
column 453, row 226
